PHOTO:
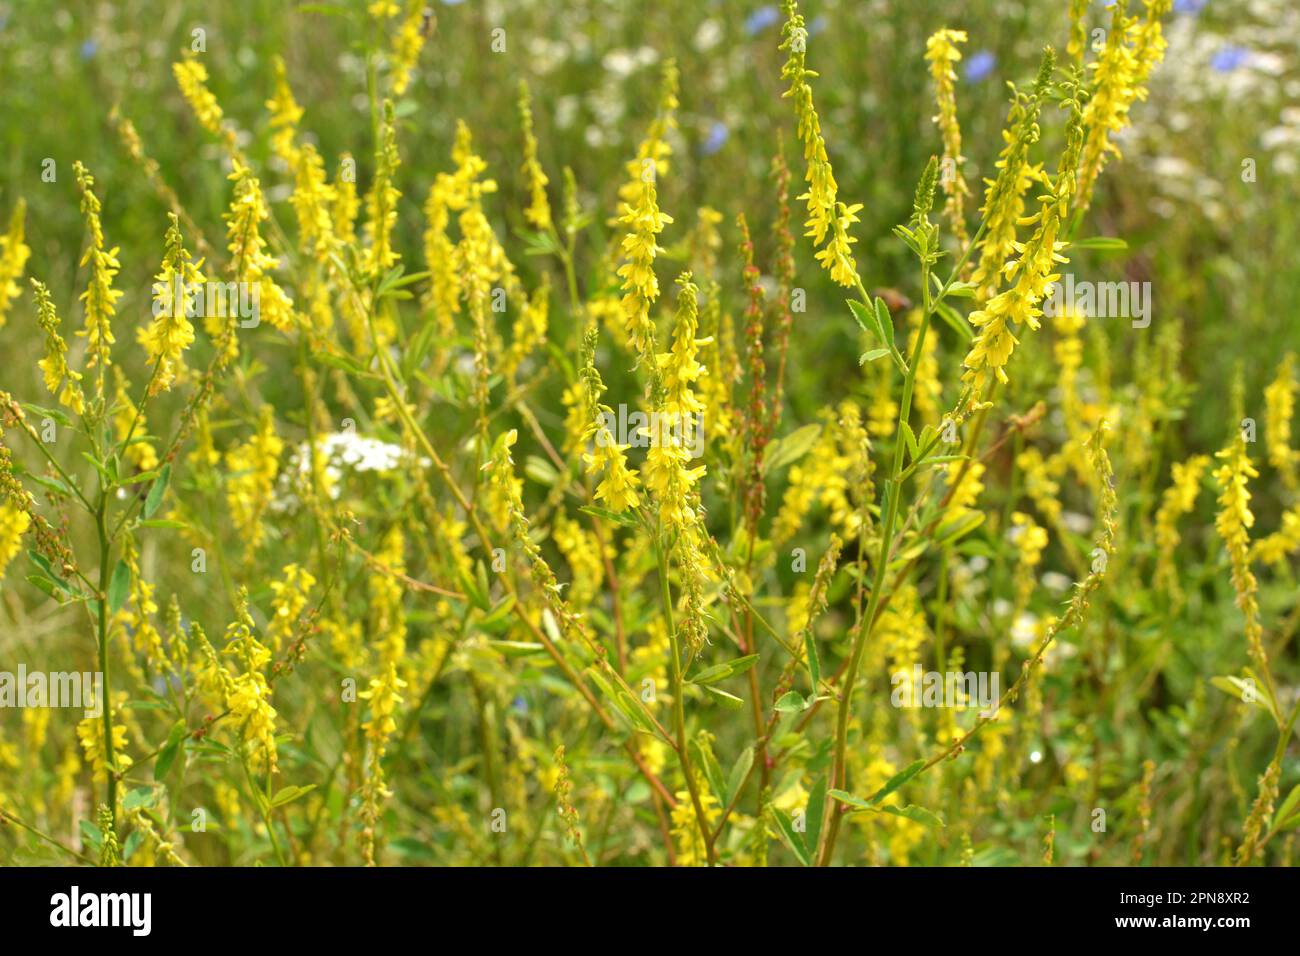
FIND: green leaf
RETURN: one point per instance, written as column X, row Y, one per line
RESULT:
column 856, row 802
column 790, row 448
column 705, row 758
column 739, row 770
column 157, row 490
column 954, row 320
column 162, row 523
column 1102, row 243
column 141, row 797
column 871, row 356
column 118, row 585
column 919, row 814
column 791, row 702
column 811, row 660
column 626, row 520
column 46, row 585
column 290, row 794
column 517, row 648
column 789, row 837
column 909, row 437
column 896, row 781
column 813, row 815
column 886, row 322
column 956, row 527
column 167, row 756
column 1285, row 816
column 711, row 675
column 730, row 701
column 40, row 411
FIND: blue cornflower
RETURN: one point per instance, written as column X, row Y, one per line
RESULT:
column 1229, row 58
column 761, row 19
column 980, row 65
column 718, row 135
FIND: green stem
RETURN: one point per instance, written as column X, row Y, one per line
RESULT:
column 892, row 490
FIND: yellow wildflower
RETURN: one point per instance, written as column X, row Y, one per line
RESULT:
column 171, row 332
column 100, row 297
column 941, row 50
column 381, row 201
column 14, row 522
column 59, row 379
column 285, row 114
column 1178, row 500
column 13, row 259
column 90, row 731
column 618, row 488
column 1004, row 203
column 129, row 425
column 253, row 467
column 288, row 601
column 640, row 214
column 1131, row 52
column 1233, row 523
column 1279, row 407
column 538, row 211
column 1031, row 273
column 249, row 262
column 827, row 216
column 686, row 828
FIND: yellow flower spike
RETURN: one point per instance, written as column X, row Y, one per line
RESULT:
column 1178, row 500
column 100, row 298
column 408, row 42
column 129, row 423
column 538, row 211
column 1279, row 407
column 192, row 78
column 14, row 253
column 529, row 331
column 1133, row 49
column 1030, row 540
column 1233, row 523
column 285, row 114
column 827, row 216
column 171, row 333
column 387, row 616
column 1275, row 548
column 253, row 468
column 14, row 522
column 61, row 381
column 344, row 204
column 639, row 213
column 139, row 612
column 1078, row 30
column 288, row 601
column 313, row 201
column 384, row 697
column 1031, row 273
column 942, row 53
column 249, row 263
column 90, row 731
column 618, row 488
column 666, row 473
column 685, row 828
column 1004, row 203
column 381, row 201
column 249, row 702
